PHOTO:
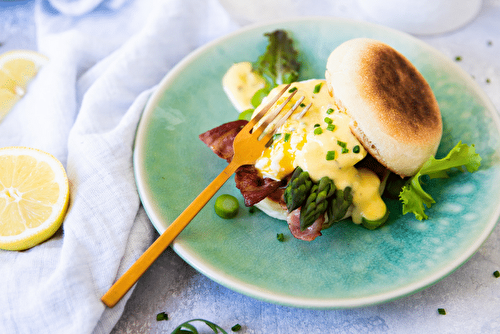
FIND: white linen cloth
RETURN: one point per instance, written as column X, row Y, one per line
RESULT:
column 84, row 107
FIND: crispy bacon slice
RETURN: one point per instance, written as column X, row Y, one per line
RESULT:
column 310, row 233
column 220, row 139
column 252, row 185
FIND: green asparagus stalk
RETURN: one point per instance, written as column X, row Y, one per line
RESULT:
column 317, row 202
column 339, row 205
column 298, row 189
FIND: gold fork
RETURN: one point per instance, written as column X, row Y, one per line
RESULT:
column 248, row 146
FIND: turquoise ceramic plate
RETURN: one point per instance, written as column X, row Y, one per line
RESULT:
column 348, row 266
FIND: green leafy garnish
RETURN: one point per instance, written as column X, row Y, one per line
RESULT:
column 413, row 196
column 188, row 328
column 278, row 65
column 161, row 316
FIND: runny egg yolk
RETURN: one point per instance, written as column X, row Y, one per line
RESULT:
column 320, row 142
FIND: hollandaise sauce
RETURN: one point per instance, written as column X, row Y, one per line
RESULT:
column 317, row 137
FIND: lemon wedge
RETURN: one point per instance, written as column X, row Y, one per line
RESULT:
column 17, row 68
column 34, row 197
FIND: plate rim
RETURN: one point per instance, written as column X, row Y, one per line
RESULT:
column 245, row 288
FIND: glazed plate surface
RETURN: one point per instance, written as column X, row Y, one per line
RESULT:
column 348, row 266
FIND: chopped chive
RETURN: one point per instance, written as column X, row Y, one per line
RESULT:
column 341, row 144
column 496, row 273
column 330, row 155
column 458, row 58
column 287, row 137
column 161, row 316
column 330, row 127
column 318, row 131
column 490, row 43
column 345, row 150
column 302, row 105
column 252, row 210
column 317, row 88
column 276, row 136
column 488, row 80
column 328, row 120
column 280, row 237
column 317, row 125
column 355, row 149
column 329, row 111
column 236, row 328
column 293, row 89
column 441, row 311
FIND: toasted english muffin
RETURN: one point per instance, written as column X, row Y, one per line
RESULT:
column 394, row 112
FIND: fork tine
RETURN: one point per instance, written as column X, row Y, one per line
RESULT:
column 269, row 118
column 264, row 110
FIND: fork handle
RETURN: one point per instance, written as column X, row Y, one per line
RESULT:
column 130, row 277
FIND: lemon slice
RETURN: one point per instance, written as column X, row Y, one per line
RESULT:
column 34, row 196
column 17, row 68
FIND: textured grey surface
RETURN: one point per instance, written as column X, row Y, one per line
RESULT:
column 470, row 295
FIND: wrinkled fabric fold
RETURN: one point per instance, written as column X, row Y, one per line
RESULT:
column 84, row 107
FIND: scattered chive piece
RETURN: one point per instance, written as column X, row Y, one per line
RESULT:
column 252, row 210
column 490, row 43
column 318, row 131
column 330, row 155
column 317, row 125
column 317, row 88
column 488, row 80
column 496, row 274
column 330, row 127
column 328, row 120
column 345, row 150
column 161, row 316
column 441, row 311
column 341, row 144
column 355, row 149
column 458, row 58
column 236, row 328
column 280, row 237
column 329, row 111
column 276, row 136
column 293, row 89
column 302, row 105
column 287, row 137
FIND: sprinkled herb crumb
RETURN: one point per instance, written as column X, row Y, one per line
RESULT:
column 318, row 131
column 236, row 328
column 458, row 58
column 330, row 127
column 496, row 273
column 329, row 111
column 280, row 237
column 317, row 88
column 441, row 311
column 302, row 105
column 293, row 89
column 355, row 149
column 161, row 316
column 330, row 155
column 252, row 210
column 287, row 137
column 490, row 43
column 488, row 80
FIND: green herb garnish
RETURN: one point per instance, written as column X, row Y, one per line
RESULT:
column 318, row 131
column 441, row 311
column 496, row 273
column 458, row 58
column 280, row 237
column 329, row 111
column 276, row 136
column 328, row 120
column 236, row 328
column 287, row 137
column 415, row 199
column 356, row 149
column 188, row 328
column 330, row 155
column 161, row 316
column 317, row 88
column 293, row 89
column 330, row 127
